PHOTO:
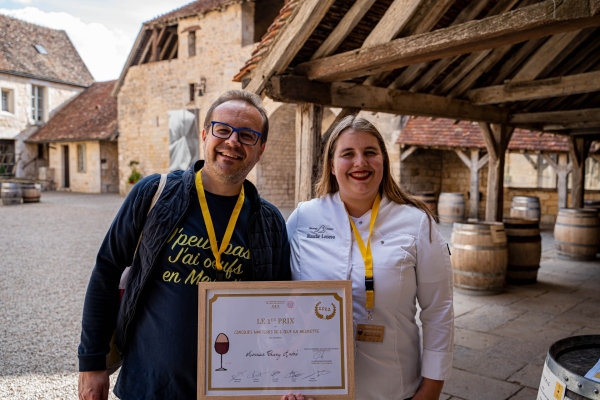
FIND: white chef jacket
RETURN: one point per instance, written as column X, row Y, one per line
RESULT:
column 406, row 267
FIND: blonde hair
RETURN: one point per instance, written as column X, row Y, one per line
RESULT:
column 327, row 183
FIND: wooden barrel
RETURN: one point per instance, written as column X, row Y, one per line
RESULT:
column 526, row 207
column 430, row 200
column 11, row 193
column 479, row 257
column 524, row 250
column 570, row 360
column 593, row 205
column 31, row 192
column 451, row 208
column 576, row 233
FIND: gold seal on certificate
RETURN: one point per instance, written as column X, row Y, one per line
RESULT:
column 264, row 339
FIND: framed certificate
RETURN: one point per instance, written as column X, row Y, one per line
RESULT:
column 261, row 340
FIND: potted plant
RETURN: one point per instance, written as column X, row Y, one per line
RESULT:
column 134, row 177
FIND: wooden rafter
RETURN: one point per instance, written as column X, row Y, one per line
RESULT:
column 307, row 16
column 168, row 40
column 175, row 48
column 295, row 89
column 536, row 89
column 590, row 115
column 343, row 28
column 516, row 26
column 148, row 47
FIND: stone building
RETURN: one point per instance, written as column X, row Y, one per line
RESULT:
column 82, row 142
column 180, row 63
column 40, row 71
column 435, row 152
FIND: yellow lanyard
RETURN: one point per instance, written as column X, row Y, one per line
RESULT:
column 209, row 225
column 367, row 256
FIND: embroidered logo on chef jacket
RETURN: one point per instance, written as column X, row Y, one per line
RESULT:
column 320, row 233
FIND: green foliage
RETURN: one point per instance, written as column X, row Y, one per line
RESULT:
column 135, row 175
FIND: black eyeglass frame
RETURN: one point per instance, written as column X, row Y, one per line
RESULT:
column 234, row 129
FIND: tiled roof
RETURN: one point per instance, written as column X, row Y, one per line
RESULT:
column 19, row 56
column 92, row 115
column 444, row 133
column 267, row 40
column 195, row 7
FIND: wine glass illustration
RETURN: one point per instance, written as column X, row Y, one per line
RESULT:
column 221, row 347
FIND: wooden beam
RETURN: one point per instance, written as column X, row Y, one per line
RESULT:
column 515, row 60
column 148, row 47
column 295, row 89
column 562, row 170
column 175, row 48
column 509, row 28
column 408, row 152
column 578, row 151
column 538, row 89
column 571, row 126
column 553, row 48
column 343, row 28
column 467, row 14
column 344, row 112
column 295, row 32
column 308, row 149
column 496, row 138
column 590, row 115
column 393, row 21
column 166, row 45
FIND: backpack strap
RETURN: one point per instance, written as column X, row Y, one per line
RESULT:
column 161, row 186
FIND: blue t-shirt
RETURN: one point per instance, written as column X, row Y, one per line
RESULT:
column 160, row 361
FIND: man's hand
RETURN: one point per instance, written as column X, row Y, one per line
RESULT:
column 93, row 385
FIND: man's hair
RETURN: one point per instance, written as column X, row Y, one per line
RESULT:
column 250, row 98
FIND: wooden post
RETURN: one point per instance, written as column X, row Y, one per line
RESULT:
column 578, row 150
column 474, row 164
column 496, row 137
column 562, row 170
column 308, row 149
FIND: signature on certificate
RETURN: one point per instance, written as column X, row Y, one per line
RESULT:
column 317, row 374
column 236, row 376
column 319, row 355
column 294, row 374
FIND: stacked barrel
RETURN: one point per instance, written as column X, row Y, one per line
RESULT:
column 14, row 193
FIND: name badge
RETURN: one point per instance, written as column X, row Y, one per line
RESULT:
column 370, row 333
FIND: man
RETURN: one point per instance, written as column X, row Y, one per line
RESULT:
column 185, row 241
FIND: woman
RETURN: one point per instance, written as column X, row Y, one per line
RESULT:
column 358, row 201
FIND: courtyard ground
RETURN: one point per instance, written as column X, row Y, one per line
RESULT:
column 47, row 253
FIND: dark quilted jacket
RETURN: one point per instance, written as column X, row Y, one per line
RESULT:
column 101, row 312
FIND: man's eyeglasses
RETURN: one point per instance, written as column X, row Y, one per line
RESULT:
column 246, row 136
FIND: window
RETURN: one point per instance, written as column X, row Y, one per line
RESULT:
column 7, row 100
column 81, row 158
column 192, row 43
column 37, row 103
column 41, row 49
column 192, row 90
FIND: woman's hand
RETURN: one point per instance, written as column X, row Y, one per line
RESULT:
column 291, row 396
column 430, row 390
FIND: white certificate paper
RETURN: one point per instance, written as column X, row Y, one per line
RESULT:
column 272, row 341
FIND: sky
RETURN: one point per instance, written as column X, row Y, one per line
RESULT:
column 103, row 31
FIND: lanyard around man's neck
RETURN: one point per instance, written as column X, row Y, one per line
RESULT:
column 209, row 225
column 367, row 256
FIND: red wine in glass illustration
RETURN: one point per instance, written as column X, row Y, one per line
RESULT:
column 221, row 347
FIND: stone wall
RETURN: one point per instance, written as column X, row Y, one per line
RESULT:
column 151, row 90
column 55, row 95
column 444, row 171
column 85, row 182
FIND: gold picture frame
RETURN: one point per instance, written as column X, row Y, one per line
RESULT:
column 246, row 301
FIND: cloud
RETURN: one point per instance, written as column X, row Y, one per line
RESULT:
column 103, row 50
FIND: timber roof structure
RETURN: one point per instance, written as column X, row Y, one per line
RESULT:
column 533, row 64
column 158, row 39
column 91, row 115
column 35, row 51
column 445, row 134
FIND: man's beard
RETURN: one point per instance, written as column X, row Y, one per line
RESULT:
column 234, row 176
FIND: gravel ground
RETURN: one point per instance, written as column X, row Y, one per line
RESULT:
column 46, row 258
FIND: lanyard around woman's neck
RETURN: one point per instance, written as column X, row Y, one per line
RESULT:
column 209, row 225
column 367, row 256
